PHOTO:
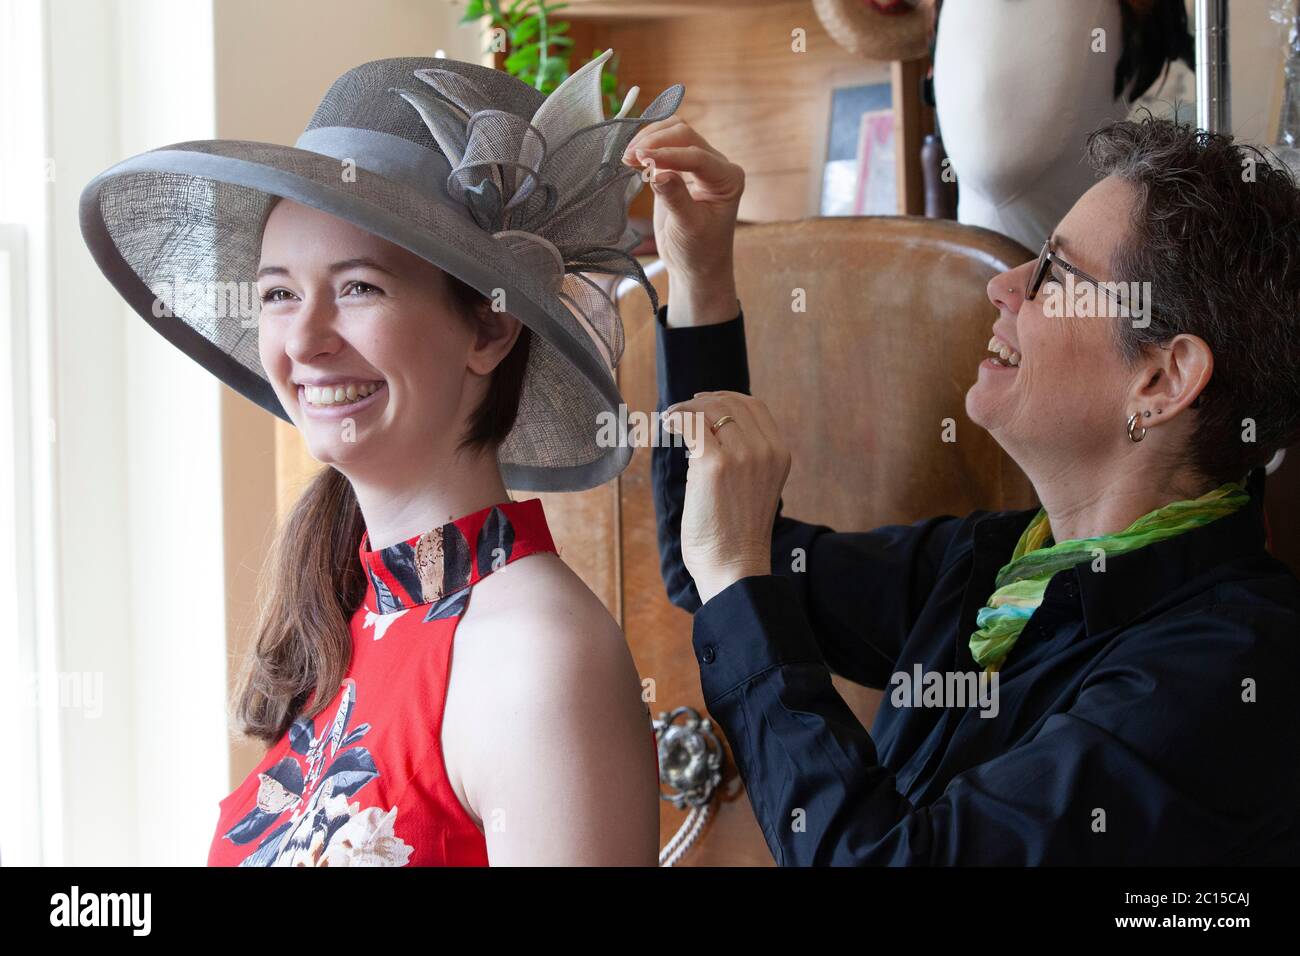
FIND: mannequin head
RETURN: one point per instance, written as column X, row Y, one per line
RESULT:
column 1019, row 84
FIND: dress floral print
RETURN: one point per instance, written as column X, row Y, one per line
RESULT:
column 324, row 830
column 368, row 786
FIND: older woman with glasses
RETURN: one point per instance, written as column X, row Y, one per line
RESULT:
column 1131, row 648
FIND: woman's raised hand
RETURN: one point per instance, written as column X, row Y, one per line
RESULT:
column 697, row 194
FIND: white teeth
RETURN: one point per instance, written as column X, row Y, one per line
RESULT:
column 1006, row 353
column 338, row 394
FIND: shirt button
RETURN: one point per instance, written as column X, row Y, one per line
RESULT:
column 708, row 655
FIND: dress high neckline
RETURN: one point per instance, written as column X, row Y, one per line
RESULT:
column 438, row 566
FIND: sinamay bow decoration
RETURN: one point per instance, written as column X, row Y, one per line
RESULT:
column 552, row 186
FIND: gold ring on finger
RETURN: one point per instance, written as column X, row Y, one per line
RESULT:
column 720, row 422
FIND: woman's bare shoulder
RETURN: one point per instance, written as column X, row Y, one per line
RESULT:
column 538, row 591
column 535, row 620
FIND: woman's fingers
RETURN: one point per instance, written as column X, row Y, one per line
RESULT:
column 713, row 176
column 657, row 129
column 674, row 145
column 743, row 431
column 668, row 132
column 705, row 411
column 713, row 404
column 687, row 159
column 691, row 422
column 671, row 189
column 678, row 133
column 758, row 428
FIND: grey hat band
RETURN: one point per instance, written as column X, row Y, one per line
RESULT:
column 386, row 155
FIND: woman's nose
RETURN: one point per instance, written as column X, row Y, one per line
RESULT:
column 1006, row 290
column 312, row 332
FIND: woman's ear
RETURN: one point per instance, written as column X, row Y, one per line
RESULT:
column 496, row 335
column 1173, row 378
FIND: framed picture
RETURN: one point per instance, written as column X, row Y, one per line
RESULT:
column 858, row 166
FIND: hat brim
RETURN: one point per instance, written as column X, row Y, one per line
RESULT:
column 194, row 212
column 874, row 34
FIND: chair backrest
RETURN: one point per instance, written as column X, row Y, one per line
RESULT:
column 867, row 383
column 869, row 380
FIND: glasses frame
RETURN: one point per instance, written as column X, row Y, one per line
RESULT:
column 1049, row 257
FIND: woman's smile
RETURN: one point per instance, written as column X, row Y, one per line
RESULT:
column 995, row 363
column 331, row 403
column 1004, row 358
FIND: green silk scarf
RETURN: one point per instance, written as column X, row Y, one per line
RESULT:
column 1020, row 583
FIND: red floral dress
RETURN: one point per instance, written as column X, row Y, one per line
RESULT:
column 364, row 782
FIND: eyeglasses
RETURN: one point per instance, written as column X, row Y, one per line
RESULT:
column 1049, row 257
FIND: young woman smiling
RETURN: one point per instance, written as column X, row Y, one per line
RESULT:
column 426, row 322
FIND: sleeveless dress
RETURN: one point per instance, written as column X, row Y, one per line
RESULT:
column 363, row 783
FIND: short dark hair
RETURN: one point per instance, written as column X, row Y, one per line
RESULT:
column 495, row 415
column 1216, row 231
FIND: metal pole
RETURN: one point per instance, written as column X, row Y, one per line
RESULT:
column 1212, row 91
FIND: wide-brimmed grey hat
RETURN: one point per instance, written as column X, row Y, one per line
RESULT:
column 518, row 194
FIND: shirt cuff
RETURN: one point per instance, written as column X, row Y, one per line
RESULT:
column 751, row 626
column 700, row 358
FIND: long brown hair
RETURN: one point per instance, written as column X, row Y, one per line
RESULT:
column 313, row 581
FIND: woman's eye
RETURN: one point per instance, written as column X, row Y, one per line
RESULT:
column 356, row 286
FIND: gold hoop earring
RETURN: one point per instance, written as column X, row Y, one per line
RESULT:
column 1132, row 420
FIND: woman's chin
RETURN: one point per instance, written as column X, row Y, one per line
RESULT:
column 332, row 444
column 333, row 452
column 983, row 407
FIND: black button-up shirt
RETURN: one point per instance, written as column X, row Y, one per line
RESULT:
column 1148, row 714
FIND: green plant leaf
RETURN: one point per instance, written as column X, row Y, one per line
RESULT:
column 525, row 30
column 473, row 10
column 522, row 58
